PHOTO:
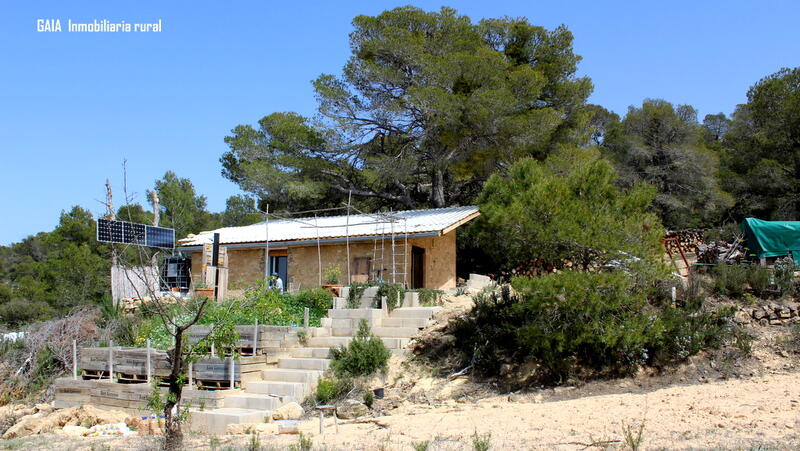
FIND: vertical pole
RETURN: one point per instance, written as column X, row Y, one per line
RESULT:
column 266, row 247
column 148, row 368
column 215, row 264
column 319, row 251
column 74, row 359
column 305, row 319
column 255, row 337
column 230, row 359
column 405, row 254
column 211, row 331
column 111, row 360
column 347, row 235
column 321, row 430
column 191, row 367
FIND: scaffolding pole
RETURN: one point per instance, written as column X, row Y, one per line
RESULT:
column 266, row 248
column 347, row 235
column 319, row 253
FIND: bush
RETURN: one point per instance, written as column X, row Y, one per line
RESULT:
column 393, row 292
column 759, row 278
column 355, row 293
column 329, row 390
column 784, row 276
column 364, row 355
column 571, row 320
column 429, row 297
column 729, row 280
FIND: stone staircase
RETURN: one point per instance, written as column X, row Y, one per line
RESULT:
column 295, row 375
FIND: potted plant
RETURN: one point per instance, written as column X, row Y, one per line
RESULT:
column 331, row 279
column 202, row 290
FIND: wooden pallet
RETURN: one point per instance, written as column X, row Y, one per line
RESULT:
column 205, row 384
column 127, row 378
column 94, row 374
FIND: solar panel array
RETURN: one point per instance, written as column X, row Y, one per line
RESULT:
column 112, row 231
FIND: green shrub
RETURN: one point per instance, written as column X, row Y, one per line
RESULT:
column 573, row 320
column 327, row 390
column 429, row 297
column 364, row 355
column 355, row 293
column 332, row 275
column 759, row 278
column 393, row 292
column 369, row 398
column 784, row 276
column 729, row 280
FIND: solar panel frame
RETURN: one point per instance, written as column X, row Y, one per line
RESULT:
column 123, row 232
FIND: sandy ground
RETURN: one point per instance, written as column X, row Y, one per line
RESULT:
column 713, row 401
column 759, row 412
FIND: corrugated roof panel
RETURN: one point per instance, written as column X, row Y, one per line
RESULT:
column 410, row 221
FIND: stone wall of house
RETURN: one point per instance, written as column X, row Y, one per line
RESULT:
column 439, row 261
column 246, row 266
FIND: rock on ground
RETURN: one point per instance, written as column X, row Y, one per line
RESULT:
column 290, row 411
column 250, row 428
column 350, row 409
column 44, row 421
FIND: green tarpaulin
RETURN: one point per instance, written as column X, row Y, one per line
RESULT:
column 772, row 238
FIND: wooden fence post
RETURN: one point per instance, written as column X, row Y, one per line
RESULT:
column 111, row 360
column 147, row 364
column 74, row 359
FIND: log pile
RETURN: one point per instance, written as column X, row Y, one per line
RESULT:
column 689, row 240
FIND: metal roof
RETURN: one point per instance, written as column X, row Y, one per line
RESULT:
column 413, row 222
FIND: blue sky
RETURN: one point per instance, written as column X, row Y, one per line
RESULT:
column 73, row 106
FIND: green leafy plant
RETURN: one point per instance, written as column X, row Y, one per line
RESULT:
column 305, row 442
column 355, row 293
column 729, row 280
column 369, row 398
column 421, row 446
column 302, row 337
column 759, row 278
column 429, row 297
column 364, row 355
column 332, row 275
column 393, row 292
column 633, row 436
column 784, row 276
column 329, row 390
column 481, row 442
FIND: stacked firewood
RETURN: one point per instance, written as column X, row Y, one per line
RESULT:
column 689, row 240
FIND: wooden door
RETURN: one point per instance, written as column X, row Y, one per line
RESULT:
column 417, row 267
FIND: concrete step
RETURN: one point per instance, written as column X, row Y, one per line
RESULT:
column 355, row 313
column 255, row 401
column 414, row 312
column 305, row 363
column 314, row 353
column 391, row 332
column 335, row 342
column 291, row 375
column 405, row 322
column 216, row 421
column 287, row 391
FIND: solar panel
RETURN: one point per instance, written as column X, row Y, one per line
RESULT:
column 112, row 231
